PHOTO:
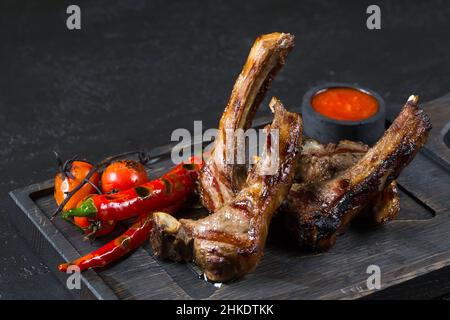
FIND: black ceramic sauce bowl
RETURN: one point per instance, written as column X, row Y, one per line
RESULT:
column 325, row 129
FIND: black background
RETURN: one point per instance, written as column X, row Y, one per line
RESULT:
column 139, row 69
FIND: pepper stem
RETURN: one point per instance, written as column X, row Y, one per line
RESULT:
column 86, row 209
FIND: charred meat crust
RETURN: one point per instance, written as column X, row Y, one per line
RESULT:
column 229, row 243
column 315, row 215
column 219, row 181
column 319, row 162
column 383, row 207
column 167, row 240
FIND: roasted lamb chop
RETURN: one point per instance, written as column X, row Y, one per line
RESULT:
column 315, row 213
column 230, row 242
column 318, row 162
column 221, row 178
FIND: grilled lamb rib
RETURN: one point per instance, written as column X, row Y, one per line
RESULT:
column 315, row 213
column 221, row 179
column 229, row 243
column 318, row 162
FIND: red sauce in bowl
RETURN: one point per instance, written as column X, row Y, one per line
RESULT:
column 345, row 104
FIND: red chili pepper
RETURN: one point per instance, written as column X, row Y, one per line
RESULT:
column 117, row 248
column 131, row 239
column 172, row 188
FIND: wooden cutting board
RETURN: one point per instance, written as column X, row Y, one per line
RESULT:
column 412, row 252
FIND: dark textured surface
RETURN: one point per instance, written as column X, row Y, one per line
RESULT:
column 138, row 70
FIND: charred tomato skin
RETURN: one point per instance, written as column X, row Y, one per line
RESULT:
column 123, row 175
column 65, row 183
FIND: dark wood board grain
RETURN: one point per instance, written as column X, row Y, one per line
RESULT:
column 412, row 251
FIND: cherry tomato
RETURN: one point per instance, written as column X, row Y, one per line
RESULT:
column 123, row 175
column 104, row 228
column 63, row 184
